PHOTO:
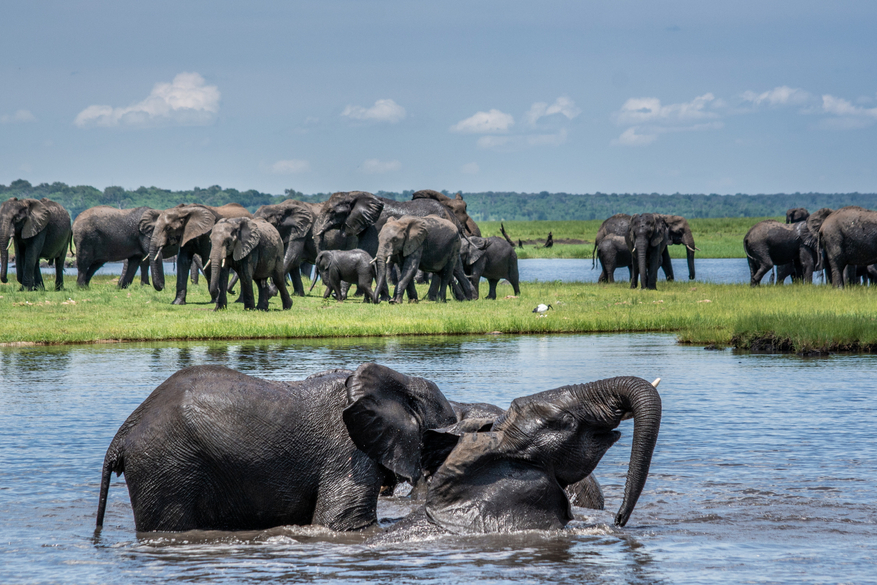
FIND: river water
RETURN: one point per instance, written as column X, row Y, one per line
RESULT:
column 765, row 470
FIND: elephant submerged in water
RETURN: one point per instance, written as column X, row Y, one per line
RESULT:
column 212, row 448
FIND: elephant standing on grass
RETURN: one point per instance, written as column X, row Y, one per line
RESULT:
column 184, row 230
column 612, row 253
column 431, row 244
column 494, row 259
column 37, row 229
column 352, row 266
column 848, row 237
column 769, row 243
column 107, row 234
column 647, row 239
column 253, row 249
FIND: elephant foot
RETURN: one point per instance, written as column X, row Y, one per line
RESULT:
column 413, row 301
column 220, row 308
column 179, row 301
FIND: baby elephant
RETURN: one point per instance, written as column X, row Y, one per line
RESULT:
column 355, row 266
column 253, row 248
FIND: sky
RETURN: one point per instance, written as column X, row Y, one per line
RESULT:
column 625, row 96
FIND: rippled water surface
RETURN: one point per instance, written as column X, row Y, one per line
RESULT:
column 765, row 470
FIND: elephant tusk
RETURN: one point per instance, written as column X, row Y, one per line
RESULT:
column 634, row 250
column 656, row 382
column 223, row 262
column 695, row 248
column 373, row 260
column 157, row 253
column 206, row 265
column 388, row 259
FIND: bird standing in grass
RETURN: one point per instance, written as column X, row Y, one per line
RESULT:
column 541, row 309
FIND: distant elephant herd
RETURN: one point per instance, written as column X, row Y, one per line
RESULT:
column 353, row 237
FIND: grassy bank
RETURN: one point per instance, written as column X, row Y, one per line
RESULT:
column 716, row 238
column 798, row 318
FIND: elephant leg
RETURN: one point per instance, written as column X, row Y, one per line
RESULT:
column 222, row 293
column 89, row 274
column 761, row 268
column 264, row 294
column 298, row 288
column 654, row 264
column 33, row 278
column 667, row 265
column 409, row 268
column 246, row 282
column 184, row 263
column 350, row 503
column 59, row 272
column 280, row 282
column 144, row 272
column 127, row 276
column 491, row 295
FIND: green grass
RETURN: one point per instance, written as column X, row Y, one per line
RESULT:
column 716, row 238
column 698, row 313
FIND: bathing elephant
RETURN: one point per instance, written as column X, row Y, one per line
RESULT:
column 107, row 234
column 253, row 249
column 612, row 253
column 647, row 239
column 353, row 266
column 797, row 214
column 848, row 237
column 214, row 449
column 492, row 258
column 455, row 205
column 430, row 243
column 185, row 230
column 38, row 229
column 361, row 214
column 679, row 232
column 769, row 243
column 513, row 476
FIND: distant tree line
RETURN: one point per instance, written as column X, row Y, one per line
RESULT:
column 482, row 206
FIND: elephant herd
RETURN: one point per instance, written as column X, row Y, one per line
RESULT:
column 353, row 237
column 842, row 242
column 215, row 449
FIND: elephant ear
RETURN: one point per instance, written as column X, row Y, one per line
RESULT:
column 365, row 212
column 37, row 218
column 415, row 235
column 478, row 246
column 661, row 232
column 482, row 487
column 248, row 238
column 298, row 220
column 200, row 221
column 146, row 225
column 388, row 413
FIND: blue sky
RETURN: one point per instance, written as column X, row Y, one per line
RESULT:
column 622, row 96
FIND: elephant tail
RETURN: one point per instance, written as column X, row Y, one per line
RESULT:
column 114, row 461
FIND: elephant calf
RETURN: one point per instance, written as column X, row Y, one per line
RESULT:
column 612, row 253
column 493, row 258
column 354, row 266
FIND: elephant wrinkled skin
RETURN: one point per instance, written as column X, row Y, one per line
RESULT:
column 647, row 239
column 38, row 229
column 848, row 237
column 492, row 258
column 352, row 266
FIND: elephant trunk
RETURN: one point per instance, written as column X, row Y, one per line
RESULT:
column 156, row 268
column 688, row 240
column 617, row 399
column 641, row 261
column 5, row 237
column 217, row 257
column 382, row 264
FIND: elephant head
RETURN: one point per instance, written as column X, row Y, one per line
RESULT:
column 388, row 413
column 293, row 219
column 324, row 262
column 174, row 228
column 513, row 477
column 232, row 238
column 456, row 206
column 797, row 214
column 351, row 211
column 472, row 249
column 398, row 238
column 680, row 233
column 25, row 217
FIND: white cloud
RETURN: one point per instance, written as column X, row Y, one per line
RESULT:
column 382, row 111
column 470, row 169
column 485, row 123
column 649, row 110
column 630, row 138
column 290, row 167
column 563, row 105
column 555, row 139
column 842, row 107
column 186, row 101
column 374, row 166
column 778, row 96
column 19, row 116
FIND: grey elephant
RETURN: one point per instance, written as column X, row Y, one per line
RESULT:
column 797, row 214
column 679, row 232
column 848, row 237
column 430, row 243
column 647, row 239
column 612, row 252
column 492, row 258
column 769, row 243
column 352, row 266
column 362, row 215
column 107, row 234
column 455, row 205
column 184, row 230
column 37, row 229
column 253, row 249
column 212, row 448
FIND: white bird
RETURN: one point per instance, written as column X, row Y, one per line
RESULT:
column 541, row 309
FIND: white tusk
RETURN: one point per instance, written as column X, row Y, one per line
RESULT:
column 388, row 259
column 206, row 265
column 692, row 249
column 656, row 382
column 634, row 250
column 373, row 260
column 223, row 262
column 157, row 252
